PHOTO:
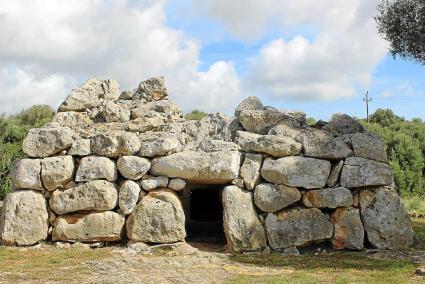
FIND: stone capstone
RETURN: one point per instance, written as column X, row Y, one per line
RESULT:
column 26, row 174
column 297, row 227
column 296, row 171
column 359, row 172
column 133, row 167
column 98, row 195
column 271, row 198
column 24, row 219
column 93, row 168
column 44, row 142
column 128, row 196
column 250, row 103
column 349, row 231
column 250, row 170
column 328, row 198
column 243, row 229
column 56, row 172
column 158, row 218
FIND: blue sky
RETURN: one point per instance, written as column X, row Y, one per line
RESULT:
column 316, row 56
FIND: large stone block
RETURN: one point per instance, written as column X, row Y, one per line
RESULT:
column 297, row 227
column 271, row 198
column 133, row 167
column 93, row 168
column 243, row 229
column 24, row 219
column 115, row 144
column 98, row 195
column 349, row 231
column 385, row 219
column 297, row 171
column 56, row 172
column 369, row 147
column 158, row 144
column 26, row 174
column 250, row 103
column 158, row 218
column 322, row 145
column 44, row 142
column 328, row 198
column 215, row 167
column 359, row 172
column 93, row 227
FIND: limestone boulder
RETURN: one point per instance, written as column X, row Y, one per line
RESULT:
column 115, row 144
column 333, row 178
column 177, row 184
column 153, row 89
column 385, row 219
column 321, row 144
column 297, row 171
column 133, row 167
column 243, row 229
column 151, row 182
column 93, row 227
column 73, row 119
column 342, row 124
column 349, row 231
column 213, row 145
column 359, row 172
column 250, row 170
column 260, row 121
column 26, row 174
column 44, row 142
column 24, row 219
column 113, row 112
column 158, row 144
column 166, row 107
column 128, row 196
column 56, row 172
column 297, row 227
column 328, row 198
column 158, row 218
column 215, row 167
column 93, row 168
column 250, row 103
column 271, row 198
column 369, row 147
column 276, row 146
column 80, row 147
column 98, row 195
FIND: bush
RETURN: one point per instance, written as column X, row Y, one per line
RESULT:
column 9, row 154
column 195, row 115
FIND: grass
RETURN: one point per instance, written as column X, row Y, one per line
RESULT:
column 47, row 264
column 414, row 204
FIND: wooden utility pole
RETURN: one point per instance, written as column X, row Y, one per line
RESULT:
column 366, row 99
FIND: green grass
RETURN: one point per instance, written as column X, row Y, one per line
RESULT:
column 414, row 204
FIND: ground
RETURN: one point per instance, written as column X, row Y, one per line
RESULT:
column 196, row 263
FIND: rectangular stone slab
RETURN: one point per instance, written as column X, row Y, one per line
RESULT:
column 359, row 172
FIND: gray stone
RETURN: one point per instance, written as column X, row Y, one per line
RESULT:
column 250, row 170
column 320, row 144
column 335, row 174
column 93, row 227
column 385, row 219
column 158, row 218
column 133, row 167
column 297, row 171
column 26, row 174
column 215, row 167
column 297, row 227
column 93, row 168
column 116, row 144
column 72, row 119
column 359, row 172
column 24, row 219
column 113, row 112
column 153, row 89
column 158, row 144
column 150, row 182
column 98, row 195
column 177, row 184
column 56, row 172
column 44, row 142
column 328, row 198
column 80, row 147
column 166, row 107
column 349, row 231
column 250, row 103
column 342, row 124
column 128, row 196
column 369, row 147
column 275, row 146
column 242, row 227
column 271, row 198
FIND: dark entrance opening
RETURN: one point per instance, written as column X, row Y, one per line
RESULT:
column 204, row 213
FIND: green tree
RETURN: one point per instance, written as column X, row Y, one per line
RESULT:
column 402, row 24
column 195, row 115
column 34, row 116
column 385, row 117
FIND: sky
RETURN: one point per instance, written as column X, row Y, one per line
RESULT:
column 319, row 57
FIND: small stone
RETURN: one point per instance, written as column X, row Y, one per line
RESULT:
column 271, row 198
column 26, row 174
column 250, row 170
column 133, row 167
column 56, row 172
column 80, row 147
column 335, row 174
column 153, row 89
column 93, row 168
column 177, row 184
column 128, row 196
column 150, row 182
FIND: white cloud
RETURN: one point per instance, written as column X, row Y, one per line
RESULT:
column 124, row 40
column 403, row 89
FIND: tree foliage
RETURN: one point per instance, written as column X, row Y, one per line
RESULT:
column 195, row 115
column 402, row 24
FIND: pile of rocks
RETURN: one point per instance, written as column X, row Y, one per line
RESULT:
column 111, row 166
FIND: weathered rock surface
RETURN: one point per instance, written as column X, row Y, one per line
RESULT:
column 72, row 119
column 158, row 144
column 133, row 167
column 177, row 184
column 56, row 172
column 250, row 170
column 24, row 219
column 44, row 142
column 98, row 195
column 320, row 144
column 243, row 229
column 369, row 147
column 80, row 147
column 158, row 218
column 335, row 174
column 153, row 89
column 275, row 146
column 215, row 167
column 359, row 172
column 250, row 103
column 113, row 112
column 297, row 227
column 385, row 219
column 271, row 198
column 166, row 107
column 26, row 174
column 260, row 121
column 343, row 124
column 150, row 182
column 115, row 144
column 93, row 227
column 328, row 198
column 296, row 171
column 128, row 196
column 349, row 231
column 93, row 168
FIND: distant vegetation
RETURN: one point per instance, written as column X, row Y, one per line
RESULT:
column 195, row 115
column 13, row 130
